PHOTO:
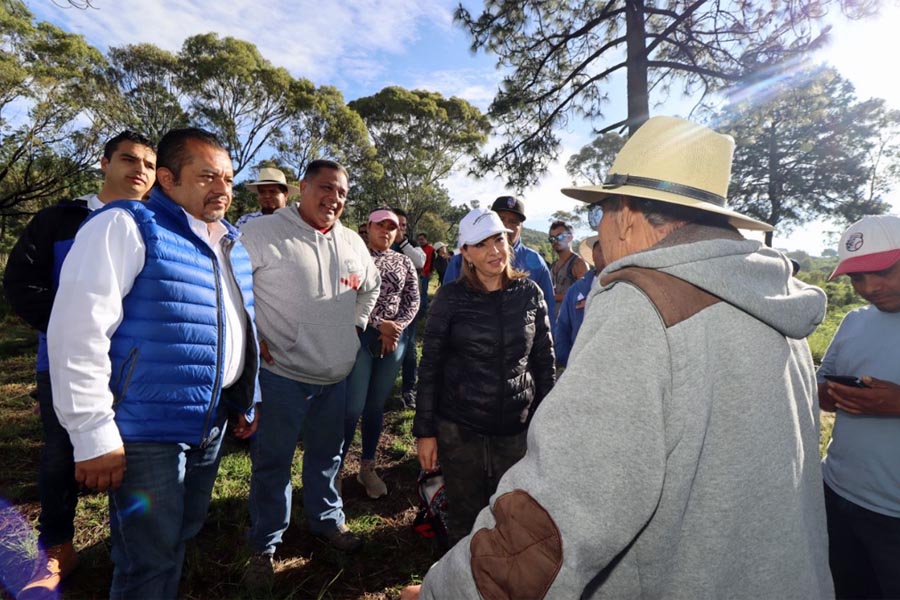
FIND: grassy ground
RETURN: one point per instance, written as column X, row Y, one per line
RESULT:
column 393, row 556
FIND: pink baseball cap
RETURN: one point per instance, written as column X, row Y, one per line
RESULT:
column 383, row 214
column 870, row 244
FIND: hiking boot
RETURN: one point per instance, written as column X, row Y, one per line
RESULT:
column 343, row 539
column 369, row 479
column 59, row 562
column 409, row 399
column 260, row 573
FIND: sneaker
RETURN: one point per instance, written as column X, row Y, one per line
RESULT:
column 369, row 479
column 343, row 539
column 60, row 561
column 409, row 399
column 260, row 573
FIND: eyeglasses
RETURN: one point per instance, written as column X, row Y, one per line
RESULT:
column 559, row 237
column 595, row 213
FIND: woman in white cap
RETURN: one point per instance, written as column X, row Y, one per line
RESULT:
column 381, row 345
column 487, row 363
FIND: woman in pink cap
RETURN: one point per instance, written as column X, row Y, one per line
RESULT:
column 381, row 345
column 486, row 364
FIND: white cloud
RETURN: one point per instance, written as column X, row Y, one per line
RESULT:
column 326, row 42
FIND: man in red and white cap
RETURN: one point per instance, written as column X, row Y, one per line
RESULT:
column 862, row 470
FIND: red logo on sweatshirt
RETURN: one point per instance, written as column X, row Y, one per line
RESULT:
column 352, row 281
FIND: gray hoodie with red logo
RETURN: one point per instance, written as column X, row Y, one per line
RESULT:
column 312, row 291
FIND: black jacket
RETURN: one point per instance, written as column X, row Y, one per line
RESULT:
column 487, row 361
column 32, row 271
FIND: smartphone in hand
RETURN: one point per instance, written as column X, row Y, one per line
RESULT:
column 849, row 380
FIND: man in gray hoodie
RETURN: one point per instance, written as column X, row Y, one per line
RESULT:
column 315, row 285
column 677, row 457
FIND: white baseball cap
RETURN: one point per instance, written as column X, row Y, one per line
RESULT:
column 478, row 225
column 870, row 244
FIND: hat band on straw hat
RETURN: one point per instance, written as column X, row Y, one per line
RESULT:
column 617, row 180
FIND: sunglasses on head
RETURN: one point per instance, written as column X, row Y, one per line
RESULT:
column 595, row 214
column 559, row 237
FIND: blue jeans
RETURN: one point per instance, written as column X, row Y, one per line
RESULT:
column 57, row 487
column 368, row 386
column 288, row 410
column 161, row 504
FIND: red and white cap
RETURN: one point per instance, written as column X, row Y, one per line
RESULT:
column 870, row 244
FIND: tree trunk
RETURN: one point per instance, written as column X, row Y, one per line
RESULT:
column 774, row 187
column 638, row 95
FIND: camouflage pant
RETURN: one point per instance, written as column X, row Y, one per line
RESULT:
column 472, row 465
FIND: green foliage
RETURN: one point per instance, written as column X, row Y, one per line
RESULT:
column 57, row 81
column 802, row 146
column 420, row 138
column 841, row 298
column 590, row 165
column 321, row 125
column 150, row 99
column 235, row 92
column 561, row 59
column 537, row 240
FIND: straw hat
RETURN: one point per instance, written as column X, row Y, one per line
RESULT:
column 586, row 249
column 270, row 176
column 674, row 161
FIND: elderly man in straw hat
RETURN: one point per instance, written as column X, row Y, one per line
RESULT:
column 272, row 190
column 678, row 455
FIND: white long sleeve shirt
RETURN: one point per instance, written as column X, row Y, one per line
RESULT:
column 98, row 272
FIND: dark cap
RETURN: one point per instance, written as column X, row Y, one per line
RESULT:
column 510, row 203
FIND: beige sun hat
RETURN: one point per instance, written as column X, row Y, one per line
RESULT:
column 270, row 176
column 586, row 249
column 675, row 161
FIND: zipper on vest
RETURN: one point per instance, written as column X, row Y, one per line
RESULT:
column 220, row 323
column 501, row 356
column 130, row 363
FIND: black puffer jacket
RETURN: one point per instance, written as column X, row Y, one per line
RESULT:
column 487, row 360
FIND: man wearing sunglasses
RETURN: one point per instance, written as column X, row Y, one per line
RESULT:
column 512, row 213
column 569, row 267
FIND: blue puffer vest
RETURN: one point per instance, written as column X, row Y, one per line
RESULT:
column 168, row 352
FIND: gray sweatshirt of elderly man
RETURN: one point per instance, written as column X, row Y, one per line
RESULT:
column 677, row 457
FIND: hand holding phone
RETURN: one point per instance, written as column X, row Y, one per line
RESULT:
column 849, row 380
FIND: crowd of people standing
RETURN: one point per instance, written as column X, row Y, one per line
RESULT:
column 675, row 455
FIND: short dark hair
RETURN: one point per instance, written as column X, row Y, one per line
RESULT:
column 423, row 235
column 172, row 152
column 660, row 213
column 400, row 212
column 563, row 224
column 125, row 136
column 313, row 168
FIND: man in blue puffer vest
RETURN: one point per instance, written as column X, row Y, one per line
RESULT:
column 30, row 280
column 152, row 347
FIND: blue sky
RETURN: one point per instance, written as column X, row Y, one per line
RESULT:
column 361, row 46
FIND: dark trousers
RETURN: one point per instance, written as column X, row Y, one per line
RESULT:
column 472, row 465
column 863, row 550
column 408, row 370
column 56, row 476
